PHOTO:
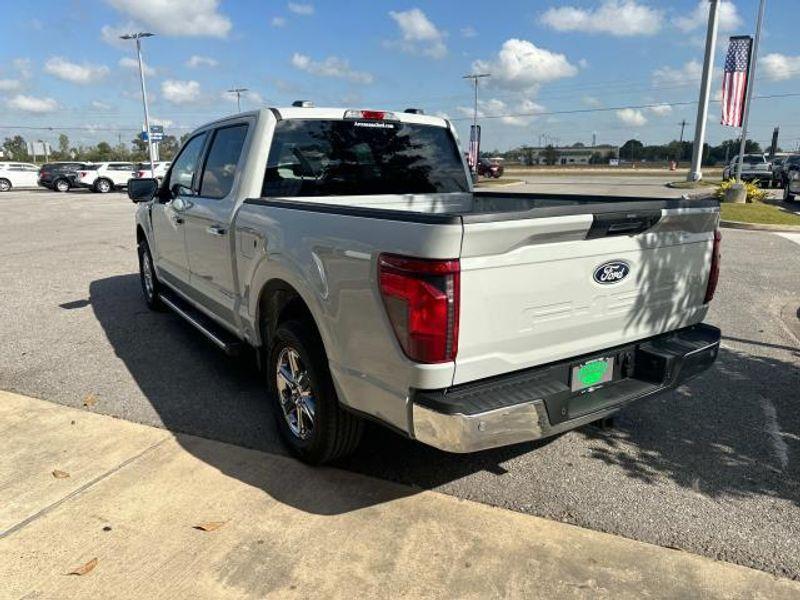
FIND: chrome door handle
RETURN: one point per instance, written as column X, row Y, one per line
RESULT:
column 215, row 230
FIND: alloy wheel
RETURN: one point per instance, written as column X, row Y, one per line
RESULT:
column 295, row 394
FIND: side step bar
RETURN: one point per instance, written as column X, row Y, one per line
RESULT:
column 220, row 337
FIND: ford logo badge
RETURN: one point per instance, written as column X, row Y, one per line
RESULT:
column 612, row 272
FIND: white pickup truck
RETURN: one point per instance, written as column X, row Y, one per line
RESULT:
column 350, row 250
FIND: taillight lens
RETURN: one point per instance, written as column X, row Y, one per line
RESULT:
column 81, row 173
column 713, row 275
column 140, row 174
column 421, row 298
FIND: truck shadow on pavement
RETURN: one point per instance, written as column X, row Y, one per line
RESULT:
column 707, row 436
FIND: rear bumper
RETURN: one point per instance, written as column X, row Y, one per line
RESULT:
column 538, row 403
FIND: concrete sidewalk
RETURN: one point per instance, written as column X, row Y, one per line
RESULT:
column 135, row 496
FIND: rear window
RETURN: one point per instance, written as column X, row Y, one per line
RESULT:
column 754, row 159
column 349, row 158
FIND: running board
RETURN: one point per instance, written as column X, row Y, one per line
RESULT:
column 219, row 336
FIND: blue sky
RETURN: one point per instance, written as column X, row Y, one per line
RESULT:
column 63, row 66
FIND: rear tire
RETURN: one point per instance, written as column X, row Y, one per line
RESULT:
column 103, row 186
column 5, row 185
column 147, row 277
column 311, row 422
column 61, row 185
column 787, row 195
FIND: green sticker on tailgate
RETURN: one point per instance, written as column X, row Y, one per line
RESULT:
column 592, row 373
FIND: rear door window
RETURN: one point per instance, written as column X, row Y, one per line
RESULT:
column 222, row 161
column 314, row 157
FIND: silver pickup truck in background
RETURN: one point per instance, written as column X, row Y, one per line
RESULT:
column 350, row 250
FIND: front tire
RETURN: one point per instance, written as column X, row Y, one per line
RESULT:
column 787, row 195
column 61, row 185
column 103, row 186
column 309, row 417
column 5, row 185
column 148, row 278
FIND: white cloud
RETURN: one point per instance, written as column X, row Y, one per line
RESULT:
column 32, row 104
column 583, row 63
column 10, row 85
column 688, row 74
column 631, row 117
column 196, row 61
column 278, row 22
column 127, row 62
column 333, row 66
column 301, row 9
column 23, row 67
column 177, row 17
column 468, row 32
column 69, row 71
column 592, row 101
column 729, row 18
column 780, row 67
column 518, row 114
column 98, row 105
column 418, row 34
column 249, row 98
column 522, row 66
column 110, row 34
column 661, row 110
column 616, row 17
column 180, row 92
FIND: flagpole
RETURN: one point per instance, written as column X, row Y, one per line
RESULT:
column 751, row 83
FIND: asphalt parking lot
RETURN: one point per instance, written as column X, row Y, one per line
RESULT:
column 711, row 468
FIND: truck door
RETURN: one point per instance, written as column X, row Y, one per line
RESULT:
column 210, row 243
column 168, row 216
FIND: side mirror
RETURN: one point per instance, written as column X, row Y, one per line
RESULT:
column 142, row 190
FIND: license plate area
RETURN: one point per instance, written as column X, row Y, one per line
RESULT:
column 591, row 374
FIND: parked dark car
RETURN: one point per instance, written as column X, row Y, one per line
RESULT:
column 487, row 168
column 59, row 176
column 783, row 171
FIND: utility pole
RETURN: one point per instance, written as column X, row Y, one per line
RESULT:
column 751, row 83
column 695, row 172
column 680, row 143
column 138, row 37
column 594, row 139
column 238, row 92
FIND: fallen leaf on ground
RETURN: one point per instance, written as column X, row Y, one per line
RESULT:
column 90, row 400
column 210, row 526
column 84, row 569
column 60, row 474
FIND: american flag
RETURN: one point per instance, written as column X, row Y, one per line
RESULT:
column 474, row 146
column 734, row 81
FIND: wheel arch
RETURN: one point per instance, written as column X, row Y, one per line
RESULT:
column 280, row 301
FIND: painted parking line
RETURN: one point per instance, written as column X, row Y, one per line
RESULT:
column 793, row 237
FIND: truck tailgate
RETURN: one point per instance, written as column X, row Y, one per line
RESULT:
column 542, row 289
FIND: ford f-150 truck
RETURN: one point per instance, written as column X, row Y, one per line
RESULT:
column 349, row 248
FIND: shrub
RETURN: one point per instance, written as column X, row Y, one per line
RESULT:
column 754, row 193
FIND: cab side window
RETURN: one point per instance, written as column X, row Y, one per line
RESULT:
column 185, row 167
column 222, row 161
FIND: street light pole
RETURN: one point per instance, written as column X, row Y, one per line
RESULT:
column 695, row 172
column 751, row 83
column 475, row 77
column 238, row 92
column 138, row 37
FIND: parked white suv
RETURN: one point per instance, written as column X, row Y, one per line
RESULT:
column 161, row 168
column 106, row 176
column 18, row 175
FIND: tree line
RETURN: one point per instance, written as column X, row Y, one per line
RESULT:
column 16, row 148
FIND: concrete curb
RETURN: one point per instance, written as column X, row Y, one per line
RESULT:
column 141, row 517
column 500, row 185
column 760, row 226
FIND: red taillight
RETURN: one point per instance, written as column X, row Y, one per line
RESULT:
column 372, row 114
column 713, row 275
column 81, row 173
column 140, row 174
column 422, row 298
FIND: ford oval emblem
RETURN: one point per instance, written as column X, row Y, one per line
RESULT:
column 612, row 272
